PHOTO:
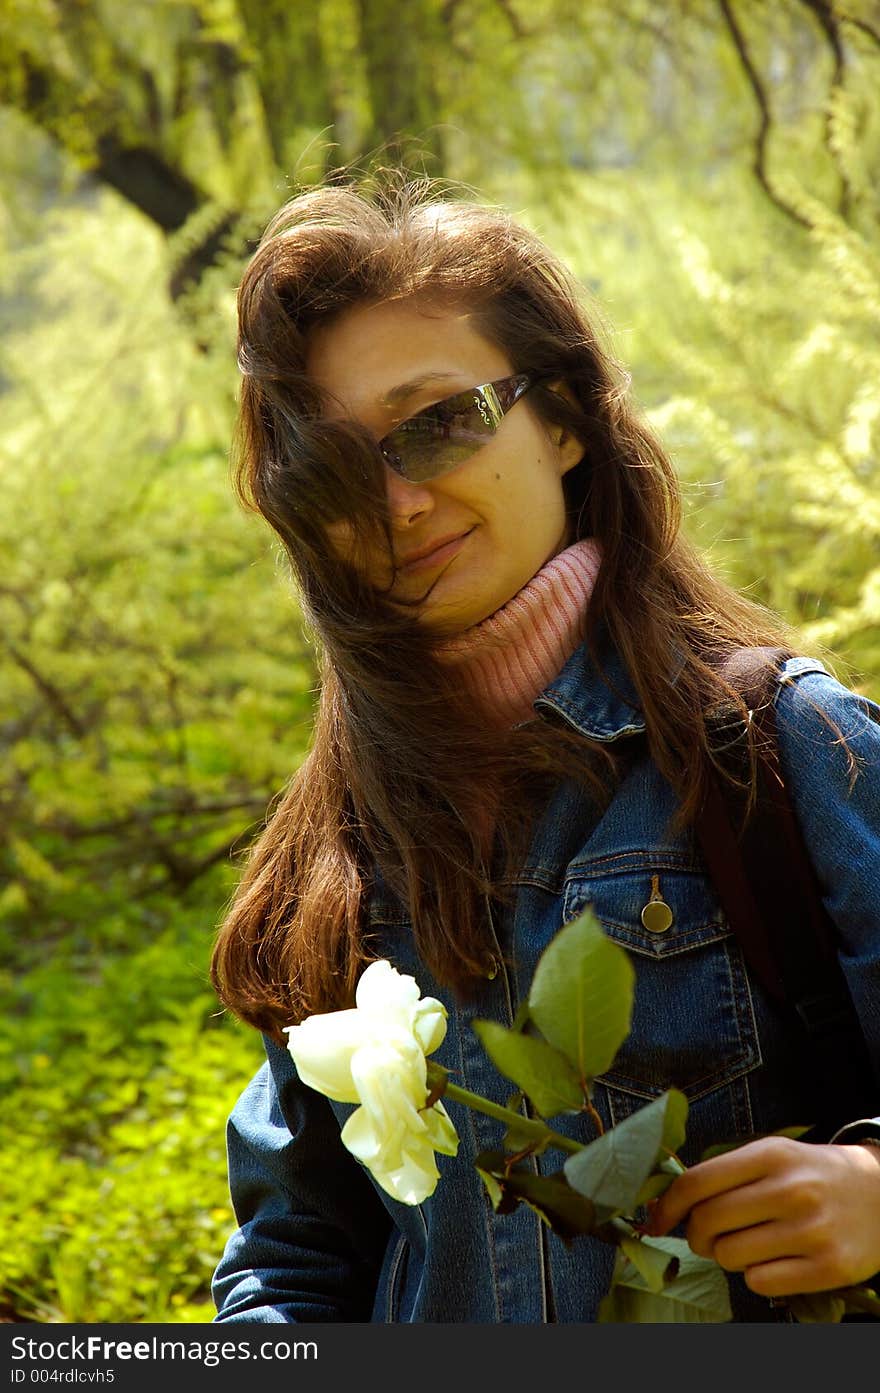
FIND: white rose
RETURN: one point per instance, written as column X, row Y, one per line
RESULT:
column 375, row 1055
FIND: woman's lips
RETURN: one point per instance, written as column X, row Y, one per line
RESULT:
column 438, row 557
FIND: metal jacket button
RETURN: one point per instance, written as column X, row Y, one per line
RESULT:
column 656, row 915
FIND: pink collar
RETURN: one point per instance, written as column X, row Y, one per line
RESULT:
column 508, row 659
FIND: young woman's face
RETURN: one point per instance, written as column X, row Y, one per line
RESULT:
column 490, row 523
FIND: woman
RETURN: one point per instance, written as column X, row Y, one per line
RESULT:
column 520, row 656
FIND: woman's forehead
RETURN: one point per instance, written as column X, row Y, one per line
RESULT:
column 386, row 357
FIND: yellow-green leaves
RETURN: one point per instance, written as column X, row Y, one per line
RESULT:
column 575, row 1019
column 550, row 1196
column 542, row 1073
column 581, row 1003
column 656, row 1266
column 829, row 1307
column 581, row 995
column 691, row 1289
column 613, row 1169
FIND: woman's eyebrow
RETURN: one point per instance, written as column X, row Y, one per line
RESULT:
column 407, row 389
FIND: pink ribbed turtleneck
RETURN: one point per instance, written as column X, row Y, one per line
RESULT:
column 509, row 658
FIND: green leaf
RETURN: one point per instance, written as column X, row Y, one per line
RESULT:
column 540, row 1071
column 831, row 1306
column 654, row 1187
column 650, row 1262
column 581, row 995
column 816, row 1307
column 721, row 1148
column 697, row 1293
column 516, row 1140
column 521, row 1019
column 862, row 1298
column 521, row 1139
column 550, row 1196
column 613, row 1169
column 492, row 1186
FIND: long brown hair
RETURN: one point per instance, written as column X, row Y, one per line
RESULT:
column 400, row 777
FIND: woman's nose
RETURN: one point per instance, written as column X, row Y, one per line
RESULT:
column 408, row 502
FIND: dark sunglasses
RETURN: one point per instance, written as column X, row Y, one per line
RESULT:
column 444, row 435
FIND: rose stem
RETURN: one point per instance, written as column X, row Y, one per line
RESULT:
column 524, row 1125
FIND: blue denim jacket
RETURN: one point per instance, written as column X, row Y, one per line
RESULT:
column 318, row 1241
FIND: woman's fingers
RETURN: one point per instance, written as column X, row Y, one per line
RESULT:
column 763, row 1243
column 788, row 1212
column 719, row 1176
column 749, row 1208
column 789, row 1277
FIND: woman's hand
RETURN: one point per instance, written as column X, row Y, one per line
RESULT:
column 792, row 1216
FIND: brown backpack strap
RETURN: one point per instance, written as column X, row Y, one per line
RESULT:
column 753, row 672
column 769, row 890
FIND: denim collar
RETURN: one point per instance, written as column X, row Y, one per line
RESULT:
column 594, row 695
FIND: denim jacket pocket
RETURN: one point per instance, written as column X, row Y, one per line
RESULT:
column 693, row 1024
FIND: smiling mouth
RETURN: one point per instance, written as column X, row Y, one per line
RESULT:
column 439, row 556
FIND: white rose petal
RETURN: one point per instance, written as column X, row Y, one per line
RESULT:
column 390, row 1078
column 375, row 1055
column 387, row 994
column 410, row 1181
column 322, row 1049
column 383, row 991
column 429, row 1023
column 441, row 1133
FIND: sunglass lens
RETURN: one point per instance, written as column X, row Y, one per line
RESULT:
column 440, row 438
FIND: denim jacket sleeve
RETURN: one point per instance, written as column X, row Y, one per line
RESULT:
column 833, row 773
column 311, row 1230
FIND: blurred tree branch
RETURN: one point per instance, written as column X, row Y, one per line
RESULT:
column 209, row 112
column 829, row 24
column 759, row 162
column 54, row 697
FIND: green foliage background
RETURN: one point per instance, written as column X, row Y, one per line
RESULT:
column 709, row 170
